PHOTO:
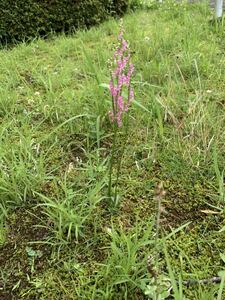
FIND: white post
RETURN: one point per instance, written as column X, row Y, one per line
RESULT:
column 219, row 8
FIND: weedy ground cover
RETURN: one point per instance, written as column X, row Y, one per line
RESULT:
column 59, row 239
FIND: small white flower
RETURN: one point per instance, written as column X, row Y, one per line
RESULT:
column 70, row 168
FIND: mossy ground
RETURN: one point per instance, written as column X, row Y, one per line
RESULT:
column 59, row 239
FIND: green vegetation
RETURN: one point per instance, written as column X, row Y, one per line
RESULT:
column 59, row 240
column 22, row 19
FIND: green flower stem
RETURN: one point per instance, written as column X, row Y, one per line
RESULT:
column 120, row 159
column 112, row 158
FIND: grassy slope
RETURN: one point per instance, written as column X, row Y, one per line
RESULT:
column 55, row 137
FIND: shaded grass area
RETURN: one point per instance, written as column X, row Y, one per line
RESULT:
column 59, row 240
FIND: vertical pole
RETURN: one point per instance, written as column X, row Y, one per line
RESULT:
column 219, row 8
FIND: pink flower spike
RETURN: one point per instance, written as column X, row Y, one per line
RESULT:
column 121, row 81
column 113, row 90
column 131, row 69
column 120, row 103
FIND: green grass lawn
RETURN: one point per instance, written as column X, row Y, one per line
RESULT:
column 59, row 238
